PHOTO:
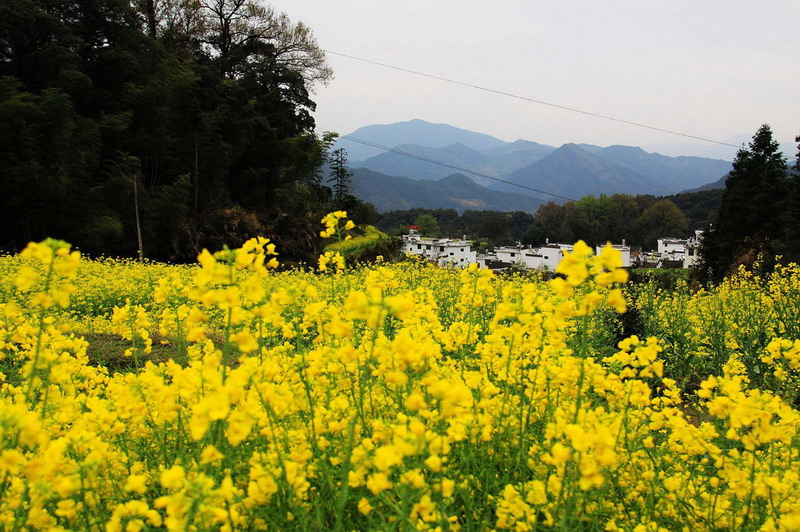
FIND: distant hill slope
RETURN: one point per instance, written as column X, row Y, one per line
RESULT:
column 716, row 151
column 573, row 172
column 495, row 162
column 719, row 184
column 516, row 155
column 672, row 173
column 392, row 163
column 414, row 132
column 452, row 192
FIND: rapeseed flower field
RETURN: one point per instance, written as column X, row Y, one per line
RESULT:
column 392, row 396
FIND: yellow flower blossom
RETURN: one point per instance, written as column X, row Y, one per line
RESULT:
column 392, row 395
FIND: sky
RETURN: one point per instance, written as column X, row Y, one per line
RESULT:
column 716, row 69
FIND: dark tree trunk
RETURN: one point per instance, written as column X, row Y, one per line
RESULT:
column 150, row 8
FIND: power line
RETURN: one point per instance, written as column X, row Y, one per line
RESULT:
column 451, row 166
column 533, row 100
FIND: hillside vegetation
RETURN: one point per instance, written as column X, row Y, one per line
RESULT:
column 157, row 129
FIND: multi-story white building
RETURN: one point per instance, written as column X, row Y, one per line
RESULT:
column 443, row 251
column 672, row 249
column 624, row 250
column 693, row 246
column 509, row 254
column 552, row 254
column 545, row 257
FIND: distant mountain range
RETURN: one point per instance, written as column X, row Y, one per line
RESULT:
column 455, row 191
column 432, row 152
column 725, row 151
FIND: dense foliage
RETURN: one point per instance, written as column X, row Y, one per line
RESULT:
column 159, row 125
column 700, row 207
column 760, row 211
column 229, row 396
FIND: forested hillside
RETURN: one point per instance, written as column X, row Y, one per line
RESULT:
column 158, row 127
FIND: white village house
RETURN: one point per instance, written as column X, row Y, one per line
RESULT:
column 685, row 251
column 672, row 248
column 545, row 257
column 553, row 253
column 548, row 256
column 692, row 256
column 446, row 252
column 624, row 250
column 458, row 253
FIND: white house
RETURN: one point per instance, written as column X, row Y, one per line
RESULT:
column 443, row 251
column 533, row 259
column 670, row 250
column 693, row 245
column 486, row 260
column 545, row 257
column 509, row 254
column 525, row 257
column 552, row 253
column 673, row 247
column 624, row 250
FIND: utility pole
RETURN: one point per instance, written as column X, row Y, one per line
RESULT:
column 136, row 209
column 195, row 188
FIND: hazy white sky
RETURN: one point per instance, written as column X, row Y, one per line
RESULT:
column 711, row 68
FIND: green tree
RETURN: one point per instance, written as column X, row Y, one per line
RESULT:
column 47, row 157
column 209, row 98
column 596, row 217
column 662, row 219
column 624, row 210
column 341, row 176
column 752, row 211
column 493, row 225
column 549, row 223
column 793, row 211
column 428, row 225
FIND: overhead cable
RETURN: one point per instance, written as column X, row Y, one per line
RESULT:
column 451, row 166
column 533, row 100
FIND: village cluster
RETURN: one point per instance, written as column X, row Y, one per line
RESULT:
column 458, row 253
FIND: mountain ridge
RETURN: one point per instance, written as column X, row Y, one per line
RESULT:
column 416, row 131
column 563, row 172
column 571, row 170
column 456, row 191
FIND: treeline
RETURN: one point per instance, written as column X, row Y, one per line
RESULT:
column 640, row 220
column 160, row 126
